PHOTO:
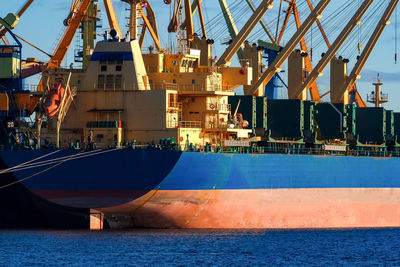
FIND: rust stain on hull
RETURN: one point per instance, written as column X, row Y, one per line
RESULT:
column 266, row 209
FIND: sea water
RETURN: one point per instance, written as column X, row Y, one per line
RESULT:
column 200, row 248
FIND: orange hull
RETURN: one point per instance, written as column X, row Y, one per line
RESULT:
column 267, row 209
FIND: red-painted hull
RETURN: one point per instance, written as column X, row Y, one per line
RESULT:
column 268, row 209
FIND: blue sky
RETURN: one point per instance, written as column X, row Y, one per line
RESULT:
column 42, row 24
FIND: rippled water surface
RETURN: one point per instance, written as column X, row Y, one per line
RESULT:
column 200, row 247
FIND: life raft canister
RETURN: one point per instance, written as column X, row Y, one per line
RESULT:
column 53, row 100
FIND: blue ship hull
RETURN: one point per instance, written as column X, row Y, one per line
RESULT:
column 148, row 184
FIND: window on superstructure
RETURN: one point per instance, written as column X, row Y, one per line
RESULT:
column 172, row 100
column 112, row 59
column 184, row 62
column 103, row 59
column 193, row 81
column 191, row 63
column 110, row 81
column 100, row 81
column 103, row 68
column 173, row 81
column 118, row 68
column 120, row 59
column 174, row 63
column 118, row 81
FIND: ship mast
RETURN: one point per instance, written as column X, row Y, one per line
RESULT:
column 376, row 97
column 133, row 18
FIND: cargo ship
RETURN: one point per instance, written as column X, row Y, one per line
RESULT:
column 161, row 139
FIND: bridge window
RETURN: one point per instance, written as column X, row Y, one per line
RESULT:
column 110, row 81
column 118, row 81
column 100, row 81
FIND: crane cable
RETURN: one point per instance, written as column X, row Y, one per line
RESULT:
column 277, row 24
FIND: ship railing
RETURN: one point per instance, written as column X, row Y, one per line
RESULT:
column 216, row 126
column 30, row 87
column 191, row 87
column 190, row 124
column 114, row 86
column 372, row 98
column 175, row 105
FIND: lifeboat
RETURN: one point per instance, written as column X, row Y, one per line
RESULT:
column 53, row 100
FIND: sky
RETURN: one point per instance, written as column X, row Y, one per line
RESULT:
column 42, row 25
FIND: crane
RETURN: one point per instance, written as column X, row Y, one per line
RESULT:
column 287, row 50
column 112, row 18
column 244, row 32
column 271, row 49
column 362, row 59
column 20, row 13
column 330, row 54
column 190, row 10
column 292, row 9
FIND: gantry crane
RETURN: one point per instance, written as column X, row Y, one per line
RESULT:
column 20, row 13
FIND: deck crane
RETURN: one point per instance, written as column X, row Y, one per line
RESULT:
column 313, row 87
column 232, row 29
column 287, row 50
column 270, row 48
column 190, row 10
column 73, row 22
column 292, row 9
column 150, row 24
column 244, row 32
column 330, row 54
column 263, row 25
column 337, row 97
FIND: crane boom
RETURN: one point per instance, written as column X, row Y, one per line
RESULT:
column 362, row 60
column 203, row 25
column 287, row 50
column 314, row 88
column 151, row 30
column 330, row 54
column 245, row 31
column 189, row 21
column 263, row 25
column 232, row 29
column 69, row 34
column 112, row 18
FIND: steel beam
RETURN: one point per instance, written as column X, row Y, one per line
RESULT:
column 245, row 32
column 230, row 23
column 112, row 18
column 271, row 38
